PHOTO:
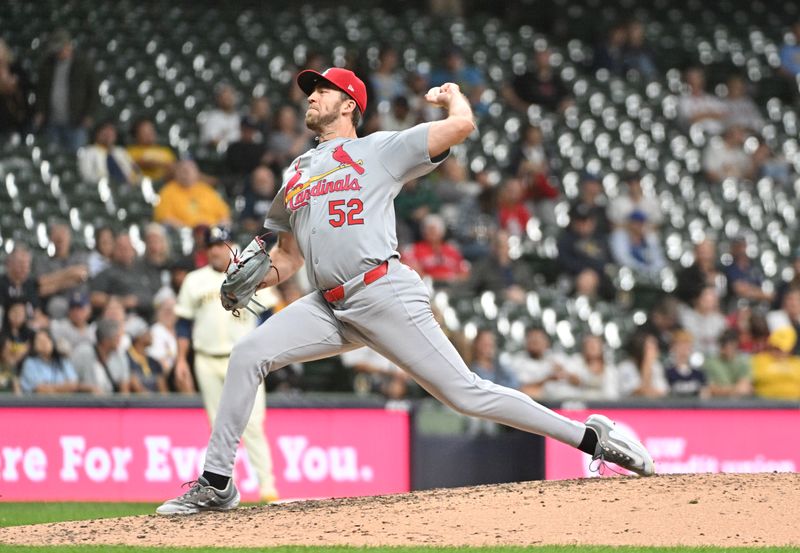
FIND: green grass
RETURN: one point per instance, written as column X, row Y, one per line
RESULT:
column 16, row 514
column 544, row 549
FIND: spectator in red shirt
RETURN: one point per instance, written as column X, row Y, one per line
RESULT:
column 435, row 258
column 513, row 212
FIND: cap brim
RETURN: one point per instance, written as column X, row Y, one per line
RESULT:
column 309, row 78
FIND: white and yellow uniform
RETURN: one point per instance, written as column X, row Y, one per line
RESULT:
column 214, row 333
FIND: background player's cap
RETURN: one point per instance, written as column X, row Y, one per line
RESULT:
column 343, row 79
column 216, row 235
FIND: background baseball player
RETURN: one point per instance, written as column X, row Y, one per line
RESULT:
column 335, row 212
column 213, row 332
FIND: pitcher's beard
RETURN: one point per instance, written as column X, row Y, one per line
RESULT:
column 317, row 122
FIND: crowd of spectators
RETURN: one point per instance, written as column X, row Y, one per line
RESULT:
column 103, row 321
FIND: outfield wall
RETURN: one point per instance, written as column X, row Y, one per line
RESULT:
column 126, row 448
column 134, row 454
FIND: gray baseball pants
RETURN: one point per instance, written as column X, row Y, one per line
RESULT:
column 392, row 316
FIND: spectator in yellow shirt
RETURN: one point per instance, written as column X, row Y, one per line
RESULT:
column 155, row 161
column 187, row 201
column 776, row 373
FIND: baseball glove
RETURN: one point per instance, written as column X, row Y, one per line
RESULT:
column 244, row 275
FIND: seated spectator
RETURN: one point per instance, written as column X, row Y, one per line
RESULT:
column 220, row 125
column 156, row 162
column 288, row 140
column 537, row 365
column 636, row 56
column 776, row 372
column 17, row 282
column 582, row 376
column 787, row 315
column 728, row 372
column 785, row 286
column 123, row 280
column 73, row 330
column 697, row 107
column 103, row 366
column 641, row 373
column 374, row 374
column 662, row 322
column 100, row 257
column 750, row 326
column 772, row 165
column 386, row 81
column 498, row 273
column 103, row 159
column 15, row 339
column 637, row 247
column 452, row 184
column 744, row 278
column 66, row 94
column 261, row 112
column 610, row 54
column 529, row 162
column 154, row 264
column 433, row 257
column 115, row 311
column 258, row 195
column 418, row 85
column 700, row 274
column 790, row 54
column 485, row 362
column 477, row 219
column 147, row 375
column 187, row 201
column 16, row 111
column 66, row 272
column 416, row 200
column 725, row 157
column 740, row 109
column 46, row 371
column 584, row 255
column 592, row 194
column 634, row 199
column 684, row 371
column 704, row 321
column 596, row 378
column 399, row 116
column 540, row 85
column 468, row 77
column 245, row 154
column 512, row 213
column 164, row 347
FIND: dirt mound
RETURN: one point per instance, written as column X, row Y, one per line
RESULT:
column 706, row 509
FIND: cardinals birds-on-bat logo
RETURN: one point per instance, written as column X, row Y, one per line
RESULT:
column 344, row 158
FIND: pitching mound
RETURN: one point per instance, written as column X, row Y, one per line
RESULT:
column 723, row 510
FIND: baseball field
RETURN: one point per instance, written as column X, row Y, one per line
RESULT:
column 721, row 512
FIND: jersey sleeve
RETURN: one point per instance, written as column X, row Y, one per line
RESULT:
column 278, row 215
column 186, row 305
column 404, row 154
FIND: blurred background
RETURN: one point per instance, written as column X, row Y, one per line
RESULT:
column 619, row 233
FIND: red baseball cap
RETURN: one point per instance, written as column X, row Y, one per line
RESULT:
column 343, row 79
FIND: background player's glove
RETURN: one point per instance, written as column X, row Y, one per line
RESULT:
column 244, row 275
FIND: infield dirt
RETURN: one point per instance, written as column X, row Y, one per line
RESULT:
column 719, row 509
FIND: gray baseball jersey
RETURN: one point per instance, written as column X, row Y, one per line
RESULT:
column 337, row 201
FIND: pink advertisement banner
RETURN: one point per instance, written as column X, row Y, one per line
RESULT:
column 91, row 454
column 691, row 441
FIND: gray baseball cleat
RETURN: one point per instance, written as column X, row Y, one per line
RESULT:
column 615, row 447
column 202, row 497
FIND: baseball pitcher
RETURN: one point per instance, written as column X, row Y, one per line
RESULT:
column 335, row 212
